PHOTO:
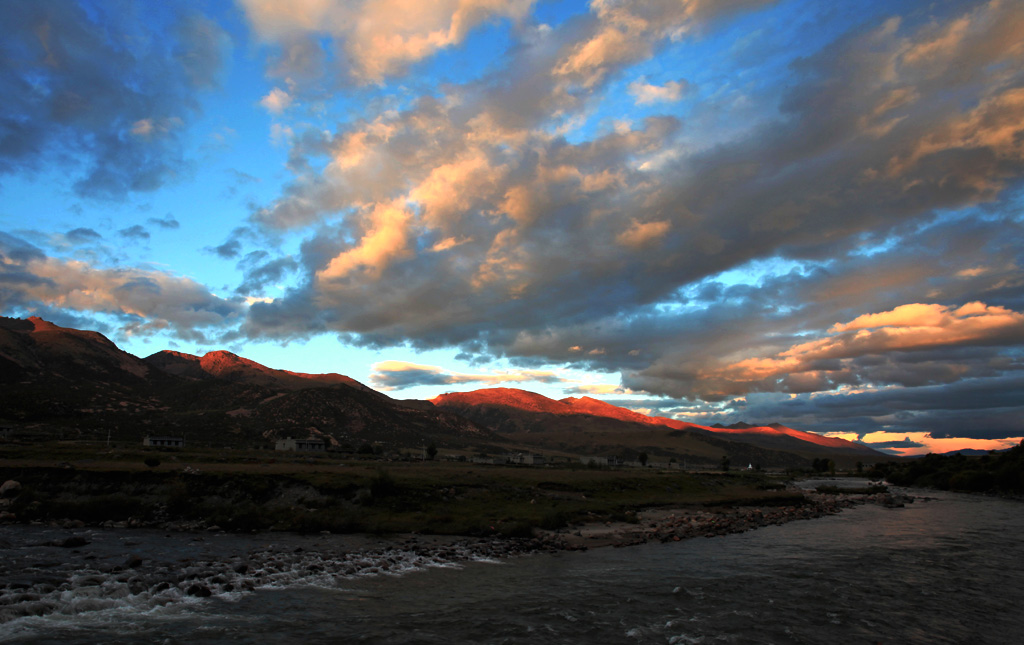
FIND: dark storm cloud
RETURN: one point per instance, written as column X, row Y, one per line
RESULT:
column 98, row 96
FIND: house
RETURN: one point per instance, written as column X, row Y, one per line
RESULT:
column 487, row 460
column 602, row 461
column 524, row 459
column 164, row 442
column 301, row 445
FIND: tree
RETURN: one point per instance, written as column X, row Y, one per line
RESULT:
column 642, row 458
column 725, row 463
column 431, row 451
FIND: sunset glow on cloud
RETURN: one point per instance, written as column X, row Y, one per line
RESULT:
column 792, row 211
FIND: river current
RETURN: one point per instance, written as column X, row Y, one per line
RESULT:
column 948, row 569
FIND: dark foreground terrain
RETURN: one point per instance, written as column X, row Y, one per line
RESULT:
column 74, row 485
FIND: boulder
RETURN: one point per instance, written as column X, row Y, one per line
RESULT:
column 10, row 488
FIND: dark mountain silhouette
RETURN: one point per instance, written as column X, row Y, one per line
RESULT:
column 78, row 384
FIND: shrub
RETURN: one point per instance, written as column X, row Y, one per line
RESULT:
column 383, row 484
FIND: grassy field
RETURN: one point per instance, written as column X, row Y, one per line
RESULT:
column 260, row 490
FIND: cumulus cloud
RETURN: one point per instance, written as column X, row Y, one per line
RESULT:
column 143, row 301
column 647, row 93
column 277, row 101
column 907, row 328
column 113, row 117
column 82, row 235
column 470, row 217
column 166, row 222
column 398, row 375
column 135, row 232
column 379, row 38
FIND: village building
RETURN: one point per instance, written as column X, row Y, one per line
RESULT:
column 487, row 460
column 164, row 442
column 525, row 459
column 602, row 461
column 301, row 445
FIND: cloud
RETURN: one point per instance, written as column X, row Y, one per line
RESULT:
column 706, row 256
column 379, row 39
column 113, row 118
column 907, row 328
column 142, row 302
column 398, row 375
column 640, row 234
column 647, row 93
column 165, row 222
column 596, row 389
column 277, row 101
column 228, row 250
column 82, row 235
column 134, row 232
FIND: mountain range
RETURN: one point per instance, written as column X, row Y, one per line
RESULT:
column 69, row 383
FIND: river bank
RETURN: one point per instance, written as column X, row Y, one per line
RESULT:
column 676, row 524
column 67, row 568
column 425, row 498
column 930, row 572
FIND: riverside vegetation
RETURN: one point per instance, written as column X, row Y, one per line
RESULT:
column 69, row 484
column 999, row 473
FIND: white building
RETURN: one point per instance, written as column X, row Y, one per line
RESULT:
column 164, row 442
column 301, row 445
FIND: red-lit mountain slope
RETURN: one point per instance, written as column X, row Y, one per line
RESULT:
column 511, row 410
column 231, row 367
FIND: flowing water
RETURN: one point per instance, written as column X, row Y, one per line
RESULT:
column 945, row 570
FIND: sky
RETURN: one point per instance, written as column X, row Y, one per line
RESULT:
column 715, row 210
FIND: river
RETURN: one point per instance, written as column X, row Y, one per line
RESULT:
column 942, row 570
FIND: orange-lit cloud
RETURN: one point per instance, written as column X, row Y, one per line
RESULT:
column 921, row 443
column 277, row 101
column 641, row 234
column 149, row 301
column 647, row 93
column 380, row 37
column 906, row 328
column 386, row 240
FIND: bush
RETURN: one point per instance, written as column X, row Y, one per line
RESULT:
column 383, row 484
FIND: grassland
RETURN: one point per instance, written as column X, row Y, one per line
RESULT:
column 91, row 483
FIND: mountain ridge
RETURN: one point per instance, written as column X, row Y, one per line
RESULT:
column 81, row 379
column 487, row 399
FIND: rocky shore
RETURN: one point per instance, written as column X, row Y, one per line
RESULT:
column 651, row 525
column 101, row 567
column 674, row 525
